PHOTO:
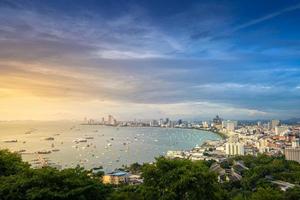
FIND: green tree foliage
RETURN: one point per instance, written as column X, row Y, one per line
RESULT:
column 164, row 180
column 179, row 179
column 11, row 163
column 18, row 182
column 127, row 193
column 267, row 194
column 135, row 168
column 292, row 194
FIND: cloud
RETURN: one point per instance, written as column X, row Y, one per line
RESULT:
column 235, row 86
column 140, row 64
column 114, row 54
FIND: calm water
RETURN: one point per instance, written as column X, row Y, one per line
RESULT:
column 111, row 147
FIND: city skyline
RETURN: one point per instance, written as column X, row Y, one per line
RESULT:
column 149, row 60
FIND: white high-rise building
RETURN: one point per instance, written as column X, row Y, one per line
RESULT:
column 235, row 148
column 292, row 154
column 296, row 143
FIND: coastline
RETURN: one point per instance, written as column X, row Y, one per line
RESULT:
column 216, row 131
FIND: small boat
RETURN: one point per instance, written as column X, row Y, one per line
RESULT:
column 78, row 140
column 44, row 152
column 10, row 141
column 49, row 138
column 55, row 150
column 109, row 144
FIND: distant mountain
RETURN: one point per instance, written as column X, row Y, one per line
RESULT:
column 292, row 121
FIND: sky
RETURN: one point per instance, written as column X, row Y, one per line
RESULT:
column 70, row 59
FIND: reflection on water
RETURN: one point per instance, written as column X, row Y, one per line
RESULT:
column 69, row 144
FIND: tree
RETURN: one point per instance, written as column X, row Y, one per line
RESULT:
column 11, row 163
column 267, row 194
column 179, row 179
column 20, row 182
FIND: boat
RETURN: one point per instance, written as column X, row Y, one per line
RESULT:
column 49, row 138
column 10, row 141
column 55, row 150
column 44, row 152
column 78, row 140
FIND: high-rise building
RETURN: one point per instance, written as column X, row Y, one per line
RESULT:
column 235, row 148
column 217, row 120
column 292, row 154
column 154, row 123
column 274, row 123
column 296, row 143
column 230, row 126
column 258, row 123
column 111, row 120
column 161, row 122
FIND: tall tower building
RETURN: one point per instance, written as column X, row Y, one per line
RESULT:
column 274, row 123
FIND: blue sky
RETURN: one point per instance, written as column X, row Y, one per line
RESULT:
column 149, row 59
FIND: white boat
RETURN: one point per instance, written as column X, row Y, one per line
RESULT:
column 78, row 140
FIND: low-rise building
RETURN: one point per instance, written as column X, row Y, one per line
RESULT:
column 116, row 178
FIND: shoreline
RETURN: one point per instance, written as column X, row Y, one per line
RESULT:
column 221, row 134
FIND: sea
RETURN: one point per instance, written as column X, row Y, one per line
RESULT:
column 68, row 144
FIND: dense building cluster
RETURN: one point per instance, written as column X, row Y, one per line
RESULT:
column 271, row 138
